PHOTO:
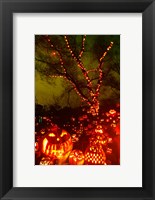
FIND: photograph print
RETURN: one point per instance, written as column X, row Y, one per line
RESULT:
column 77, row 100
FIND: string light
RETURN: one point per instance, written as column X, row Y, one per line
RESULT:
column 54, row 53
column 74, row 87
column 80, row 65
column 100, row 69
column 105, row 53
column 82, row 49
column 94, row 103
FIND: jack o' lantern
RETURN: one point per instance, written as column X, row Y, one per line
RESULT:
column 98, row 139
column 94, row 155
column 76, row 157
column 57, row 145
column 46, row 161
column 112, row 112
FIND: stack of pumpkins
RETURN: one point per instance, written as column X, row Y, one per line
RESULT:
column 94, row 154
column 57, row 148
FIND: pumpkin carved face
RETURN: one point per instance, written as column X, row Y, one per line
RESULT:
column 46, row 161
column 98, row 139
column 94, row 155
column 76, row 157
column 57, row 145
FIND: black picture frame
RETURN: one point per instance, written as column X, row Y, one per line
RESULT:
column 7, row 8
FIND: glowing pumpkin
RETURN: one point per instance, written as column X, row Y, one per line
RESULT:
column 99, row 129
column 94, row 155
column 98, row 139
column 57, row 145
column 76, row 157
column 46, row 161
column 75, row 138
column 112, row 112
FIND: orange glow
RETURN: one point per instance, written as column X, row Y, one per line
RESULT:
column 109, row 140
column 109, row 151
column 76, row 157
column 57, row 147
column 57, row 151
column 53, row 53
column 112, row 112
column 36, row 146
column 97, row 155
column 45, row 141
column 47, row 151
column 63, row 133
column 98, row 130
column 46, row 161
column 51, row 134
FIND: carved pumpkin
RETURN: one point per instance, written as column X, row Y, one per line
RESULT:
column 112, row 112
column 94, row 155
column 46, row 161
column 75, row 138
column 98, row 139
column 99, row 129
column 57, row 145
column 76, row 157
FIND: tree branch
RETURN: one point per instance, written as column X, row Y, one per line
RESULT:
column 80, row 65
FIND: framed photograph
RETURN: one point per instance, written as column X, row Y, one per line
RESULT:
column 77, row 99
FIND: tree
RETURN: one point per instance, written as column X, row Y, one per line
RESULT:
column 67, row 57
